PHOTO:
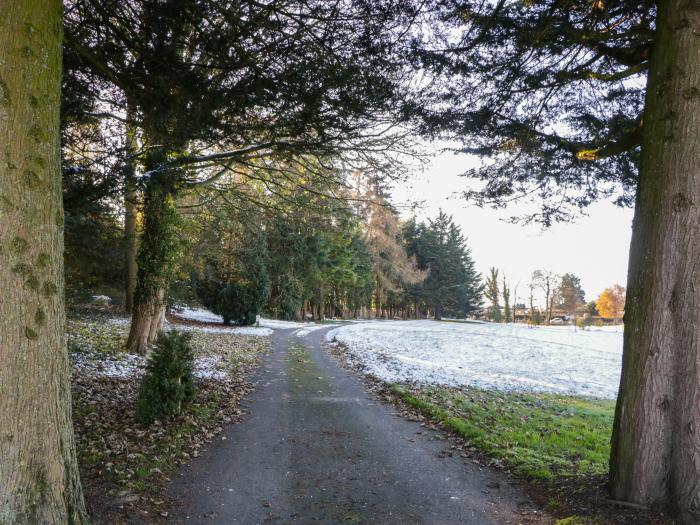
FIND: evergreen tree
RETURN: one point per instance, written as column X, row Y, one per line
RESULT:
column 452, row 287
column 506, row 301
column 168, row 385
column 554, row 92
column 233, row 280
column 493, row 294
column 551, row 91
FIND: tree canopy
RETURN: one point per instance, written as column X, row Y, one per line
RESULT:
column 551, row 92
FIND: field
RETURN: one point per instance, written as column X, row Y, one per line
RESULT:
column 505, row 357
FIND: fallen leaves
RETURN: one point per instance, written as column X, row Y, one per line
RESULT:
column 125, row 466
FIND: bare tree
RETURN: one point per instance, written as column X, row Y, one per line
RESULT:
column 548, row 282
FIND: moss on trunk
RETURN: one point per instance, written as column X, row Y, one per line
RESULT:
column 39, row 480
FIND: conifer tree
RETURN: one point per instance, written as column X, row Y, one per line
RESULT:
column 576, row 101
column 453, row 286
column 506, row 301
column 263, row 85
column 493, row 294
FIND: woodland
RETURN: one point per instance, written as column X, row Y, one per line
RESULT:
column 241, row 155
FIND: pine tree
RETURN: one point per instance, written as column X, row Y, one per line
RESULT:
column 570, row 295
column 168, row 384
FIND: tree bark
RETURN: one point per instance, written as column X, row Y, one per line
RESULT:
column 130, row 216
column 378, row 299
column 39, row 480
column 655, row 457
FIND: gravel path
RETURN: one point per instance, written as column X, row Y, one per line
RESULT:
column 317, row 449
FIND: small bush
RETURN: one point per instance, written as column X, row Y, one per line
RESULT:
column 167, row 385
column 236, row 298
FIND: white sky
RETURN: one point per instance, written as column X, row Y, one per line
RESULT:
column 595, row 247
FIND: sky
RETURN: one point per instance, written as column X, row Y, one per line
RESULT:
column 594, row 247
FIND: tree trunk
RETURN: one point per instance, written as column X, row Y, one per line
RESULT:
column 130, row 216
column 39, row 480
column 158, row 252
column 655, row 457
column 378, row 305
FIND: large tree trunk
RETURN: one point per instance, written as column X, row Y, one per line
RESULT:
column 158, row 252
column 130, row 215
column 655, row 456
column 39, row 480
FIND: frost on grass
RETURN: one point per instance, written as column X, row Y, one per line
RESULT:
column 302, row 332
column 492, row 356
column 97, row 349
column 124, row 466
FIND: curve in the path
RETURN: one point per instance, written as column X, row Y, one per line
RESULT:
column 316, row 449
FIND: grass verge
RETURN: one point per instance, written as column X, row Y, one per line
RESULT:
column 538, row 436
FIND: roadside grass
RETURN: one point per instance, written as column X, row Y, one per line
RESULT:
column 537, row 436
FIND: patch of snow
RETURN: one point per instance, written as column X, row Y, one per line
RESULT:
column 308, row 329
column 127, row 365
column 210, row 368
column 197, row 314
column 489, row 355
column 281, row 325
column 95, row 364
column 119, row 321
column 234, row 330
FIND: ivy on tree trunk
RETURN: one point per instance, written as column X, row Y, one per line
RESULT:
column 158, row 252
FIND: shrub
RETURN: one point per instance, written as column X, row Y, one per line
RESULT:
column 167, row 385
column 238, row 303
column 239, row 297
column 583, row 322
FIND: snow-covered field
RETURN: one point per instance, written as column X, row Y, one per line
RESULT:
column 493, row 356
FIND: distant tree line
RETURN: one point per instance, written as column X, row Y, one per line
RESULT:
column 563, row 297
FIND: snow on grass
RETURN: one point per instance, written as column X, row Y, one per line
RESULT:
column 197, row 314
column 123, row 366
column 491, row 356
column 211, row 367
column 281, row 325
column 234, row 330
column 302, row 332
column 120, row 366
